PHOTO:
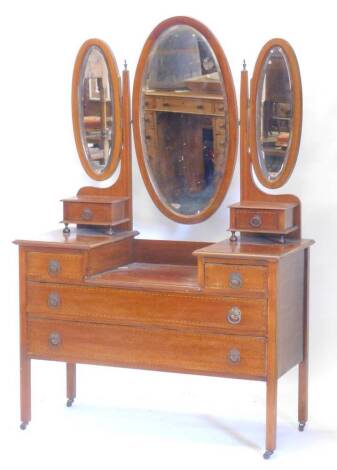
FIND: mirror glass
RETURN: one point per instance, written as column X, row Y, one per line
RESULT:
column 274, row 117
column 95, row 100
column 183, row 120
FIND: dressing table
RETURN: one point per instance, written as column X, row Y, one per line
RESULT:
column 94, row 293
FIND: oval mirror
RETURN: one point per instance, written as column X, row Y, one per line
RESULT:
column 276, row 113
column 185, row 120
column 96, row 109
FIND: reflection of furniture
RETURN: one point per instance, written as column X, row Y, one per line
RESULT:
column 198, row 114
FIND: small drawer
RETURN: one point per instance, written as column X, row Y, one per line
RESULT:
column 257, row 219
column 235, row 278
column 93, row 213
column 220, row 126
column 149, row 102
column 148, row 120
column 220, row 143
column 148, row 348
column 55, row 266
column 185, row 105
column 220, row 108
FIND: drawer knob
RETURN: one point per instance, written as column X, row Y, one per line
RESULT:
column 234, row 316
column 200, row 106
column 255, row 221
column 87, row 214
column 234, row 356
column 54, row 300
column 54, row 338
column 54, row 266
column 235, row 280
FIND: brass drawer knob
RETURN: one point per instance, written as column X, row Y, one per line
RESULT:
column 234, row 316
column 235, row 280
column 54, row 266
column 234, row 356
column 54, row 300
column 54, row 338
column 200, row 106
column 87, row 214
column 255, row 221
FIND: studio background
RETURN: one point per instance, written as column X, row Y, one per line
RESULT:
column 125, row 418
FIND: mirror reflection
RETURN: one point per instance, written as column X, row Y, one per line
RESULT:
column 184, row 120
column 274, row 114
column 96, row 109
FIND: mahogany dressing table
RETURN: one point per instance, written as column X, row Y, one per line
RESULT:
column 96, row 294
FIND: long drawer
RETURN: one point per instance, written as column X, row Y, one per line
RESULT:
column 148, row 348
column 99, row 304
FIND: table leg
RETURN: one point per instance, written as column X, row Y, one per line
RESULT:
column 25, row 391
column 71, row 383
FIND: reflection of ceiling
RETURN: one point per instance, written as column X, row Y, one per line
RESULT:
column 96, row 66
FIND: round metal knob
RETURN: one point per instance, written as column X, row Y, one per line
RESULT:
column 234, row 356
column 54, row 266
column 235, row 280
column 54, row 338
column 54, row 300
column 87, row 214
column 234, row 316
column 255, row 221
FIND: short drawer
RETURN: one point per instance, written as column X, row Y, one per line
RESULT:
column 148, row 348
column 255, row 219
column 185, row 105
column 220, row 126
column 235, row 278
column 92, row 304
column 94, row 213
column 55, row 266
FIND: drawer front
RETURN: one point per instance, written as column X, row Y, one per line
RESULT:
column 55, row 267
column 220, row 108
column 235, row 278
column 90, row 213
column 245, row 316
column 148, row 348
column 255, row 219
column 194, row 106
column 220, row 126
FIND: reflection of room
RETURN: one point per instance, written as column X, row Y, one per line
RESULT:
column 185, row 121
column 97, row 109
column 276, row 113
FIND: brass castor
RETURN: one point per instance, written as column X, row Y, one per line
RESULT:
column 66, row 229
column 268, row 454
column 23, row 425
column 301, row 427
column 70, row 401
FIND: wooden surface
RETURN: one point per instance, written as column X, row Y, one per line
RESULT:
column 258, row 248
column 155, row 276
column 80, row 239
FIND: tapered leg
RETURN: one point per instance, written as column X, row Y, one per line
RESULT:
column 71, row 383
column 271, row 416
column 25, row 391
column 303, row 366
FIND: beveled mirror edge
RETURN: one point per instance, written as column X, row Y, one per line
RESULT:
column 116, row 90
column 232, row 118
column 297, row 114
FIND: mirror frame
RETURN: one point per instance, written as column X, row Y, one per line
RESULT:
column 116, row 92
column 232, row 119
column 293, row 148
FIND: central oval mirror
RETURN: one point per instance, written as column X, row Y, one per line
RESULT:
column 185, row 120
column 276, row 113
column 96, row 109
